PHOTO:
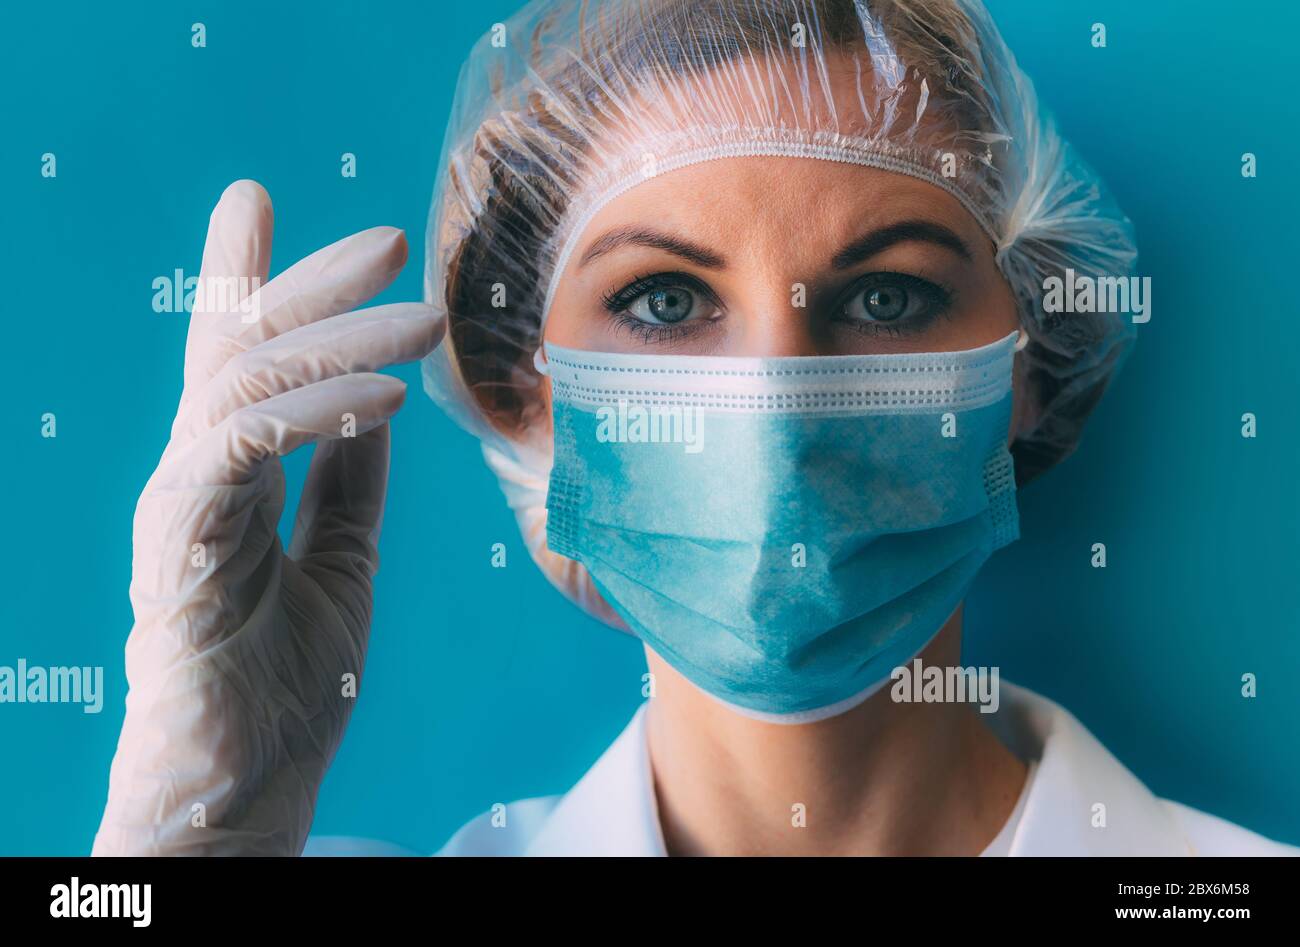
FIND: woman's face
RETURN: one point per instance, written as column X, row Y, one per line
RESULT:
column 771, row 256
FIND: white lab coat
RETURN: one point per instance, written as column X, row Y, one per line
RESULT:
column 612, row 810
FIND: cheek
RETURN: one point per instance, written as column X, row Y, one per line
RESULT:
column 999, row 304
column 567, row 324
column 578, row 317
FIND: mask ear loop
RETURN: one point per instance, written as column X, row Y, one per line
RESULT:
column 1022, row 339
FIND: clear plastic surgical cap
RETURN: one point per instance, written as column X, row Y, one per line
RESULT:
column 569, row 104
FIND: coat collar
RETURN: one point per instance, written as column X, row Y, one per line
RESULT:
column 612, row 809
column 1077, row 775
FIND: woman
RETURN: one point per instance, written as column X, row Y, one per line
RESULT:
column 745, row 300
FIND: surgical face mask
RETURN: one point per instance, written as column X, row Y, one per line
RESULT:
column 784, row 532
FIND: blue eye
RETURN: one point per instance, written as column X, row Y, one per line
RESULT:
column 885, row 304
column 662, row 302
column 883, row 298
column 664, row 305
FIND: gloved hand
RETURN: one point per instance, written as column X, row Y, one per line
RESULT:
column 243, row 662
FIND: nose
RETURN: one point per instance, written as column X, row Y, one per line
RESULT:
column 778, row 322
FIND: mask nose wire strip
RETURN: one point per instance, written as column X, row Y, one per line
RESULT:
column 690, row 370
column 539, row 359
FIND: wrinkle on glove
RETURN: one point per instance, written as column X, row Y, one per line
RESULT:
column 244, row 663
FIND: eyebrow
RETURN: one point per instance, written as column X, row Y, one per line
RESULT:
column 642, row 237
column 925, row 231
column 863, row 248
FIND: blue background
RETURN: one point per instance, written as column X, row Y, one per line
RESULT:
column 484, row 685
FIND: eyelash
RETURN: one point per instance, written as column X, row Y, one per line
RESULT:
column 618, row 300
column 652, row 334
column 941, row 297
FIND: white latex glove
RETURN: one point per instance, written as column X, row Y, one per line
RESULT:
column 240, row 655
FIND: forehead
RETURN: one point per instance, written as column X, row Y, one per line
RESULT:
column 786, row 202
column 714, row 138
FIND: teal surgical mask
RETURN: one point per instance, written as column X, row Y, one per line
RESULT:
column 784, row 532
